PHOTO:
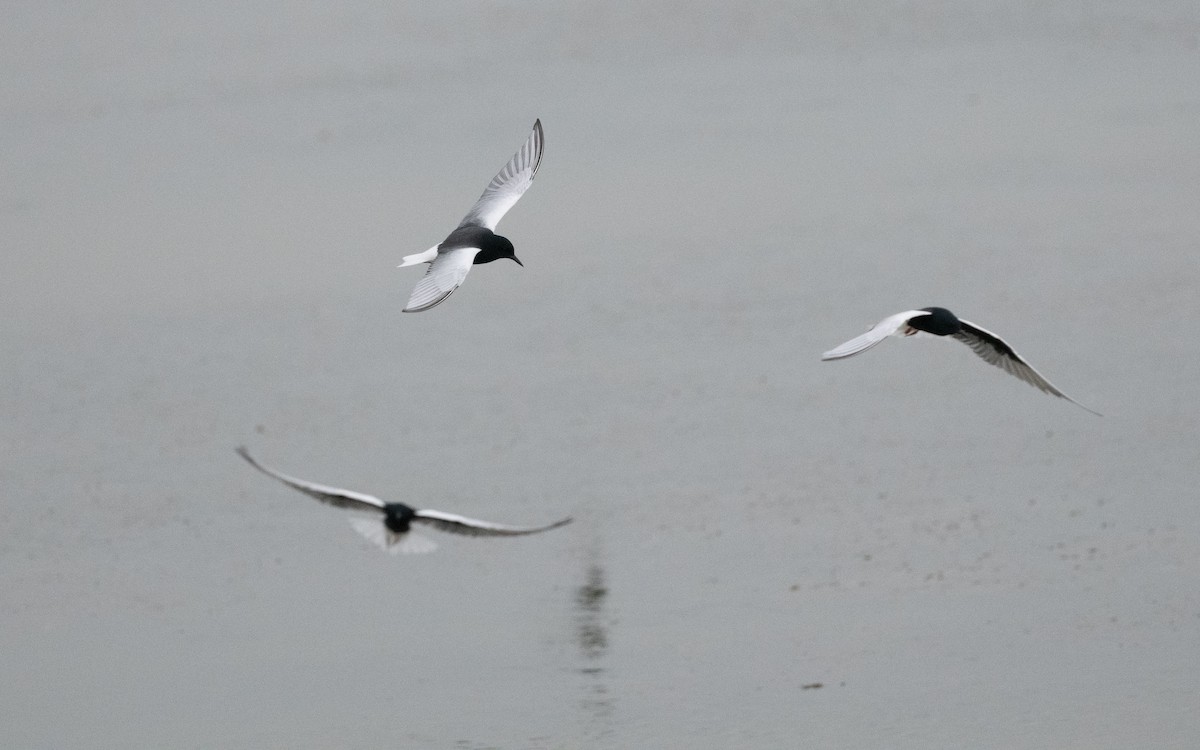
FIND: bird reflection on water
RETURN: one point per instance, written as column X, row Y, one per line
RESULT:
column 592, row 636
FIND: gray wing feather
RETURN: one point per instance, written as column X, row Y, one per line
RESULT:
column 509, row 184
column 995, row 351
column 446, row 273
column 456, row 524
column 334, row 496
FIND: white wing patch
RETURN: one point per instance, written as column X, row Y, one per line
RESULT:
column 509, row 184
column 889, row 326
column 446, row 273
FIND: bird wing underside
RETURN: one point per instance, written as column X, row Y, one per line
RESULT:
column 877, row 333
column 334, row 496
column 446, row 273
column 456, row 524
column 995, row 351
column 509, row 184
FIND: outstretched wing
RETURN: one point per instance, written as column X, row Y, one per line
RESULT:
column 338, row 498
column 877, row 333
column 995, row 351
column 446, row 273
column 472, row 527
column 507, row 187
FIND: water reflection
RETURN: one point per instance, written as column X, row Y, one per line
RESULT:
column 591, row 633
column 589, row 601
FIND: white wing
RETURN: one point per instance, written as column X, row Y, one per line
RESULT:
column 330, row 495
column 446, row 273
column 878, row 332
column 472, row 527
column 507, row 187
column 996, row 351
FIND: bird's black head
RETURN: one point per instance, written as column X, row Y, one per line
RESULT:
column 397, row 517
column 495, row 248
column 939, row 321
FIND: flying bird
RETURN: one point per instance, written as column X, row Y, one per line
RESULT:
column 941, row 322
column 390, row 527
column 474, row 240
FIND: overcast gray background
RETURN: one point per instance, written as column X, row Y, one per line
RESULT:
column 201, row 210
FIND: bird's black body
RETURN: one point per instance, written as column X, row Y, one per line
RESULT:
column 491, row 245
column 398, row 517
column 939, row 322
column 942, row 322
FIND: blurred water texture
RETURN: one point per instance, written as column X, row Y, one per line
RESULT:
column 202, row 210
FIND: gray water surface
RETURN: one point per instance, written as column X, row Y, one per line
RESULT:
column 201, row 212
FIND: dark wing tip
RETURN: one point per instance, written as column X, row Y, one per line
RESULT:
column 1088, row 409
column 548, row 527
column 429, row 305
column 539, row 146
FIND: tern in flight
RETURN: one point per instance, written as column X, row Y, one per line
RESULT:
column 941, row 322
column 474, row 240
column 389, row 528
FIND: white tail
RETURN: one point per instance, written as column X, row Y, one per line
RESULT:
column 413, row 544
column 425, row 257
column 382, row 537
column 374, row 530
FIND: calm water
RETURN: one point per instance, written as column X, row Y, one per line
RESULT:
column 200, row 217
